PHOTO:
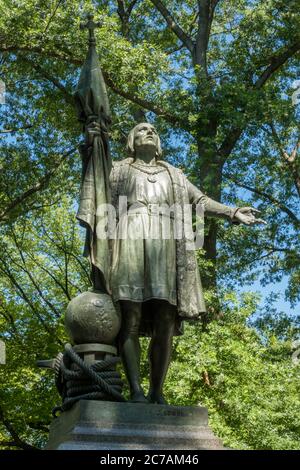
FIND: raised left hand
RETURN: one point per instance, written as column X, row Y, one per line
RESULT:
column 246, row 215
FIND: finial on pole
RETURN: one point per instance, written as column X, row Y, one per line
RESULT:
column 91, row 26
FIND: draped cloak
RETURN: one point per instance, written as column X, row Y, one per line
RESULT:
column 190, row 300
column 93, row 107
column 103, row 184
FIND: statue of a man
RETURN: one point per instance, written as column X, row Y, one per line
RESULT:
column 155, row 279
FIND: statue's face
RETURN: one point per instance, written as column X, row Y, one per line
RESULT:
column 145, row 135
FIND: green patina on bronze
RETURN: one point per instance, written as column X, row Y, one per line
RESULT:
column 155, row 282
column 93, row 108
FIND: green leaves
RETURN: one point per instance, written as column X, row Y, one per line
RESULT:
column 230, row 131
column 251, row 397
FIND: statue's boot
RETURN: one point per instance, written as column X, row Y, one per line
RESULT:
column 138, row 397
column 157, row 398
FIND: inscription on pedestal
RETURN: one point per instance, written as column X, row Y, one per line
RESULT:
column 117, row 426
column 141, row 413
column 153, row 411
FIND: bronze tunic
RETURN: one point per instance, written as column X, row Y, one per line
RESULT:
column 144, row 269
column 143, row 261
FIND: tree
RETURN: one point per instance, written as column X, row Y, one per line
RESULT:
column 250, row 385
column 241, row 369
column 216, row 79
column 41, row 269
column 210, row 74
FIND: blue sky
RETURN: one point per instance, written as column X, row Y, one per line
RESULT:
column 278, row 288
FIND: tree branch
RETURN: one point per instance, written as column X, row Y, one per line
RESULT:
column 18, row 442
column 44, row 427
column 267, row 196
column 290, row 160
column 57, row 282
column 18, row 129
column 41, row 51
column 248, row 262
column 124, row 14
column 276, row 62
column 71, row 254
column 184, row 38
column 121, row 9
column 206, row 10
column 124, row 17
column 270, row 251
column 30, row 276
column 9, row 318
column 171, row 118
column 18, row 337
column 24, row 296
column 229, row 142
column 52, row 16
column 43, row 73
column 281, row 249
column 8, row 444
column 131, row 6
column 37, row 187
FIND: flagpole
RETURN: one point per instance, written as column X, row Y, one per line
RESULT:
column 93, row 109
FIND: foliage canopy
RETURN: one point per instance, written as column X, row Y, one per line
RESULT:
column 216, row 78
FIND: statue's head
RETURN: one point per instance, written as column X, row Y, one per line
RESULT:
column 143, row 136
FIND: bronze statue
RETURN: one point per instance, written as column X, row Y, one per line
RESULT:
column 154, row 279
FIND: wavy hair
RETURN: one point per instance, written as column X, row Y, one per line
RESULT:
column 130, row 143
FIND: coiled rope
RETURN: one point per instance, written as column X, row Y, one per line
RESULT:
column 96, row 382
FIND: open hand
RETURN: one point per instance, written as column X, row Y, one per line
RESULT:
column 246, row 215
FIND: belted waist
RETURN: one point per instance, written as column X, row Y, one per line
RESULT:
column 150, row 209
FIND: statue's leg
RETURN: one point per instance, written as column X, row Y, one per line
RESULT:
column 160, row 349
column 130, row 348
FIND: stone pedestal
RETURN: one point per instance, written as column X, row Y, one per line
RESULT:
column 96, row 425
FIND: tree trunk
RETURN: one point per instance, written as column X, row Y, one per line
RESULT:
column 210, row 183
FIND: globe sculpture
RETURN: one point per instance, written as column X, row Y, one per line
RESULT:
column 91, row 317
